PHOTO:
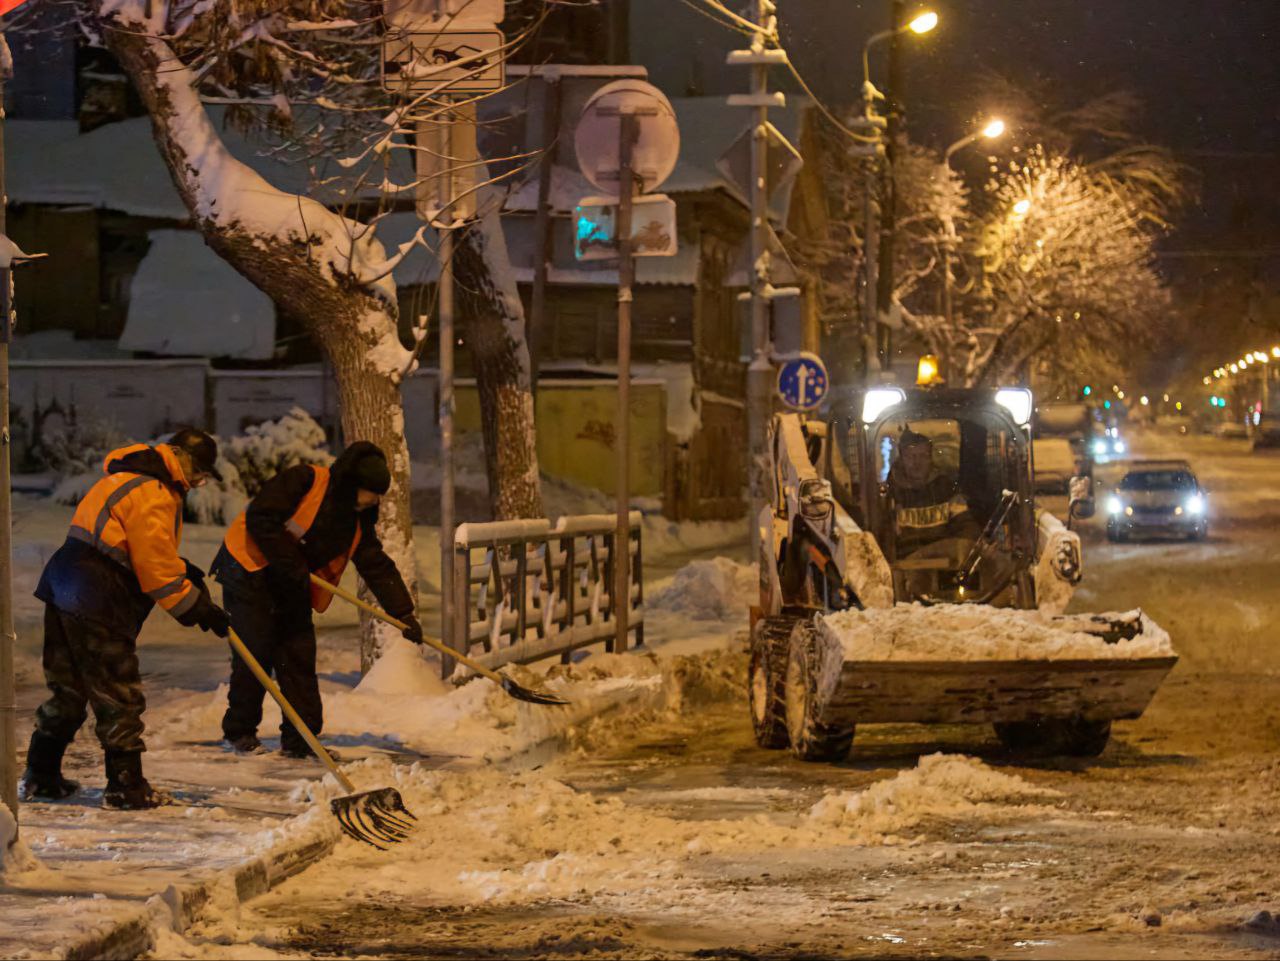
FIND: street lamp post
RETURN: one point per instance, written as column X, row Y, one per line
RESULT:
column 994, row 128
column 878, row 240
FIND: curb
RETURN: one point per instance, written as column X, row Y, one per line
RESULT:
column 180, row 906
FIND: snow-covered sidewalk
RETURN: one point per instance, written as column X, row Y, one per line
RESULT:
column 103, row 882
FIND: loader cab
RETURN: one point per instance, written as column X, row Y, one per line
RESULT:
column 941, row 478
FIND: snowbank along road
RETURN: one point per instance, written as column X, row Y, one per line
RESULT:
column 659, row 829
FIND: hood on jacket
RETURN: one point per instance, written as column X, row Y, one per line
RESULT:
column 159, row 462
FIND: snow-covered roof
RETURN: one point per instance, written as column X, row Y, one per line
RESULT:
column 117, row 167
column 186, row 300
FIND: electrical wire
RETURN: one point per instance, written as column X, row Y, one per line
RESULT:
column 717, row 20
column 747, row 28
column 826, row 111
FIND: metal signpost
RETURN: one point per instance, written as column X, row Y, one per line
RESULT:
column 627, row 140
column 455, row 47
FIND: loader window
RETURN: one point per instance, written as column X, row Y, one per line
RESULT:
column 843, row 470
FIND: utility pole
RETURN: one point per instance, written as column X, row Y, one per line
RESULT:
column 8, row 638
column 628, row 132
column 760, row 372
column 445, row 310
column 889, row 201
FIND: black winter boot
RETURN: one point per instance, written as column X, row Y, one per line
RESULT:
column 43, row 780
column 127, row 789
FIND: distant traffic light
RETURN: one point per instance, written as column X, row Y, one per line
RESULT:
column 1087, row 390
column 1106, row 404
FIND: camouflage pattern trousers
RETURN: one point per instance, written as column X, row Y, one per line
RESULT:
column 88, row 665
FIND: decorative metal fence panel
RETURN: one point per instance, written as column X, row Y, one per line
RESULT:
column 525, row 590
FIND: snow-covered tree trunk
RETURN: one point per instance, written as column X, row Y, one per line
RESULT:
column 493, row 317
column 318, row 266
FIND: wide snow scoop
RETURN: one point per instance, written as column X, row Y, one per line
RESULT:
column 369, row 816
column 519, row 692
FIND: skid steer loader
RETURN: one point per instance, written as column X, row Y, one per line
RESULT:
column 835, row 539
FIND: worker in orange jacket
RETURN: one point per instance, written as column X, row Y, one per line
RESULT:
column 120, row 559
column 306, row 520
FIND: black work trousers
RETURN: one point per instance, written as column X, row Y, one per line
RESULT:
column 284, row 643
column 87, row 664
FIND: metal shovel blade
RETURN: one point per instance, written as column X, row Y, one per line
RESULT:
column 521, row 693
column 374, row 817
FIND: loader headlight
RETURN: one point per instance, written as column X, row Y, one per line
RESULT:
column 1194, row 504
column 1114, row 505
column 1119, row 446
column 1100, row 448
column 879, row 399
column 1017, row 401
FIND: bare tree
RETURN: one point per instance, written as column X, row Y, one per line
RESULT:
column 318, row 261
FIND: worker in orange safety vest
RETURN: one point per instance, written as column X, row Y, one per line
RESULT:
column 119, row 560
column 307, row 519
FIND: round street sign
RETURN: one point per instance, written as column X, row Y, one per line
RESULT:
column 803, row 382
column 596, row 140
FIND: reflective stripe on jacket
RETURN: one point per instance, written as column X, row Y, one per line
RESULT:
column 240, row 544
column 135, row 519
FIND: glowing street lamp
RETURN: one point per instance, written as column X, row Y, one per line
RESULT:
column 924, row 22
column 1021, row 207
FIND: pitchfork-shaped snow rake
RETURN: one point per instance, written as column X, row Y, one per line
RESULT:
column 519, row 692
column 369, row 816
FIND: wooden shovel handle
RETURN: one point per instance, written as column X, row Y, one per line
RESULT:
column 387, row 618
column 273, row 689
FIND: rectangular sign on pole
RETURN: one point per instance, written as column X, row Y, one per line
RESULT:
column 461, row 14
column 455, row 61
column 653, row 227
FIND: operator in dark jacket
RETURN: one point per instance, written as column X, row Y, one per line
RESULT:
column 928, row 504
column 305, row 520
column 119, row 560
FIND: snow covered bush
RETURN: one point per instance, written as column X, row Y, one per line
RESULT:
column 250, row 460
column 266, row 449
column 74, row 456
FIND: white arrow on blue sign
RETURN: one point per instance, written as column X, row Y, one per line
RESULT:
column 803, row 382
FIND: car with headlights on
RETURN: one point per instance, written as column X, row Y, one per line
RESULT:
column 1157, row 497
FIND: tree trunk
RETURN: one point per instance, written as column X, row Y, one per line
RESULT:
column 490, row 308
column 353, row 321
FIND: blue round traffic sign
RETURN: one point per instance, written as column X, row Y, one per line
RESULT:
column 803, row 382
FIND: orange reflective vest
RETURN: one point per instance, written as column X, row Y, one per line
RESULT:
column 241, row 546
column 136, row 520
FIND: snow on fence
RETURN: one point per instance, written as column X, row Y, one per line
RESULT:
column 525, row 590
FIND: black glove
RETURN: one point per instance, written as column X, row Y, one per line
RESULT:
column 412, row 629
column 194, row 574
column 206, row 615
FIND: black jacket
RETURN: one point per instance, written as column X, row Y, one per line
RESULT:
column 289, row 562
column 81, row 580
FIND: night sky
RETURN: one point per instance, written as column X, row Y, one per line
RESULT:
column 1209, row 70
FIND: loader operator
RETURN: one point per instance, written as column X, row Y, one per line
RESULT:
column 120, row 558
column 305, row 519
column 928, row 504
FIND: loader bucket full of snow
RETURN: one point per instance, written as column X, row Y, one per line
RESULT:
column 959, row 663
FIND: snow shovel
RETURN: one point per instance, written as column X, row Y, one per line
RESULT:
column 519, row 692
column 369, row 816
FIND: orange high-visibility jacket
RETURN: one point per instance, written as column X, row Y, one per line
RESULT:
column 241, row 546
column 136, row 520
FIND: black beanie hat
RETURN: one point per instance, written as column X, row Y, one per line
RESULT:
column 370, row 473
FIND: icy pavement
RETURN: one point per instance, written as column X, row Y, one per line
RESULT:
column 664, row 832
column 96, row 866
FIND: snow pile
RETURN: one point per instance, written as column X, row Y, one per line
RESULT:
column 974, row 632
column 718, row 589
column 15, row 856
column 940, row 786
column 486, row 836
